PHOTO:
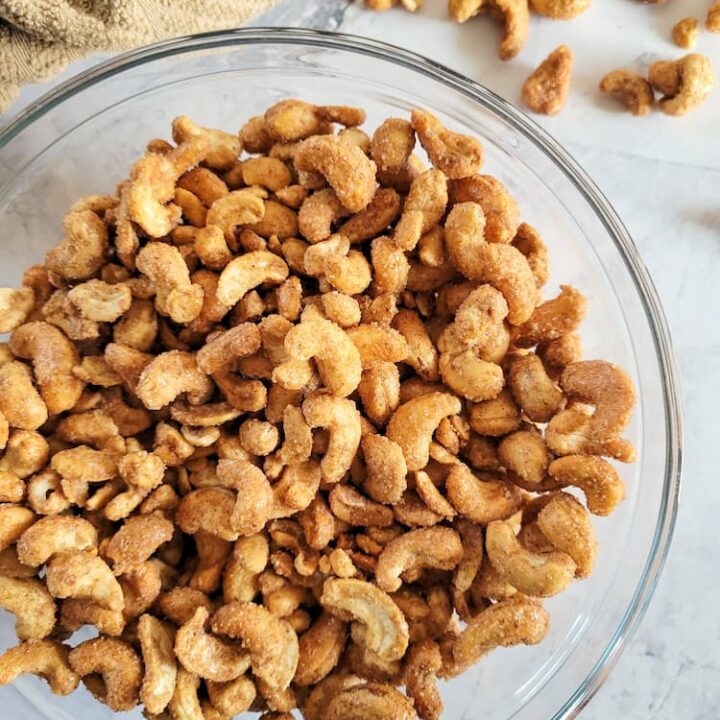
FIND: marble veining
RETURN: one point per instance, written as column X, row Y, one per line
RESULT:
column 662, row 175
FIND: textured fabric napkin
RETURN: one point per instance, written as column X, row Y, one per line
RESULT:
column 40, row 37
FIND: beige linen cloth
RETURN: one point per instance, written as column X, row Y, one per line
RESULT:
column 40, row 37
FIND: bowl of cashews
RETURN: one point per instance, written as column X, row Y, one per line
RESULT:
column 330, row 387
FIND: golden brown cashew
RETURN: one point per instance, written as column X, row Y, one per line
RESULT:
column 271, row 642
column 352, row 507
column 534, row 391
column 535, row 574
column 55, row 534
column 14, row 521
column 507, row 623
column 566, row 524
column 223, row 147
column 232, row 698
column 342, row 420
column 320, row 649
column 175, row 295
column 413, row 424
column 158, row 655
column 20, row 402
column 386, row 469
column 170, row 375
column 422, row 355
column 84, row 576
column 371, row 701
column 32, row 605
column 249, row 558
column 185, row 704
column 349, row 172
column 119, row 666
column 46, row 658
column 436, row 547
column 247, row 272
column 15, row 306
column 378, row 343
column 254, row 501
column 454, row 154
column 82, row 251
column 209, row 509
column 684, row 83
column 603, row 487
column 423, row 208
column 423, row 664
column 383, row 626
column 206, row 656
column 53, row 357
column 553, row 319
column 137, row 540
column 241, row 207
column 481, row 501
column 631, row 89
column 318, row 213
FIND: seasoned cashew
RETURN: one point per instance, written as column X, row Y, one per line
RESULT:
column 684, row 83
column 209, row 509
column 424, row 207
column 378, row 343
column 553, row 319
column 82, row 251
column 603, row 487
column 371, row 701
column 374, row 219
column 481, row 501
column 271, row 642
column 175, row 295
column 631, row 89
column 100, row 301
column 169, row 375
column 525, row 454
column 296, row 488
column 291, row 119
column 454, row 154
column 386, row 469
column 535, row 574
column 55, row 534
column 348, row 171
column 137, row 540
column 46, row 658
column 413, row 424
column 354, row 508
column 320, row 649
column 249, row 558
column 247, row 272
column 437, row 547
column 160, row 666
column 53, row 357
column 254, row 502
column 14, row 521
column 423, row 663
column 84, row 576
column 318, row 213
column 223, row 147
column 15, row 306
column 538, row 396
column 31, row 603
column 507, row 623
column 232, row 698
column 240, row 341
column 20, row 402
column 384, row 628
column 545, row 91
column 206, row 656
column 74, row 613
column 119, row 666
column 342, row 420
column 185, row 703
column 422, row 356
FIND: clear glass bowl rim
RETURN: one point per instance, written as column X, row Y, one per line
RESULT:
column 570, row 168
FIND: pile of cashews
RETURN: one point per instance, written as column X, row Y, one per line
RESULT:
column 289, row 424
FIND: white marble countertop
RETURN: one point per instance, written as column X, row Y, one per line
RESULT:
column 663, row 177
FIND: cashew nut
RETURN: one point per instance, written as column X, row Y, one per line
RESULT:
column 157, row 646
column 84, row 576
column 386, row 469
column 137, row 540
column 631, row 89
column 320, row 649
column 546, row 90
column 46, row 658
column 481, row 501
column 371, row 701
column 82, row 252
column 254, row 501
column 55, row 534
column 603, row 487
column 15, row 306
column 20, row 402
column 14, row 521
column 423, row 663
column 169, row 375
column 684, row 83
column 247, row 272
column 208, row 509
column 31, row 603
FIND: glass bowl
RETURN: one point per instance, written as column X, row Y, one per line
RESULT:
column 82, row 137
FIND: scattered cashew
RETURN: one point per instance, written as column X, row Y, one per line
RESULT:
column 684, row 83
column 46, row 658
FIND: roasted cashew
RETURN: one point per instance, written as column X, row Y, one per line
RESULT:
column 507, row 623
column 413, row 423
column 423, row 663
column 249, row 558
column 603, row 487
column 46, row 658
column 350, row 506
column 175, row 295
column 169, row 375
column 206, row 656
column 384, row 629
column 254, row 502
column 290, row 120
column 15, row 306
column 53, row 357
column 553, row 319
column 320, row 649
column 159, row 662
column 247, row 272
column 342, row 420
column 137, row 540
column 422, row 355
column 240, row 341
column 535, row 574
column 318, row 213
column 231, row 698
column 684, row 83
column 84, row 576
column 74, row 613
column 209, row 509
column 424, row 207
column 546, row 89
column 631, row 89
column 374, row 219
column 14, row 521
column 82, row 251
column 371, row 701
column 31, row 603
column 185, row 703
column 20, row 402
column 223, row 147
column 534, row 391
column 379, row 391
column 386, row 469
column 271, row 642
column 55, row 534
column 437, row 547
column 349, row 172
column 119, row 666
column 481, row 501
